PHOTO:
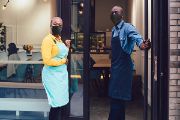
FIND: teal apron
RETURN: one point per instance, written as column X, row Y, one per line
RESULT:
column 55, row 80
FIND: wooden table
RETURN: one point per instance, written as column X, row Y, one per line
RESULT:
column 104, row 65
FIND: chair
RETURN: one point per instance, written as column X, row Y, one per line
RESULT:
column 37, row 68
column 96, row 83
column 21, row 72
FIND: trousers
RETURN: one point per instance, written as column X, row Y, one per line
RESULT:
column 117, row 109
column 58, row 113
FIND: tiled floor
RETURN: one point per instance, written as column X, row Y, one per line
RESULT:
column 100, row 109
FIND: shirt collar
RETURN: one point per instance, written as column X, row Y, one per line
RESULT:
column 50, row 35
column 53, row 37
column 119, row 25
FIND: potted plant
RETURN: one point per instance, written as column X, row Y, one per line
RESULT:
column 28, row 49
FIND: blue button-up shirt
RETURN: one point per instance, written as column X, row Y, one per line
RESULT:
column 128, row 36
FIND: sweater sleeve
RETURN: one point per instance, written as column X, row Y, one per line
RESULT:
column 46, row 49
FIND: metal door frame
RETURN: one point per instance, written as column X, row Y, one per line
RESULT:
column 64, row 11
column 160, row 49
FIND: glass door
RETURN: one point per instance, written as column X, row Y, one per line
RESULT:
column 79, row 104
column 75, row 17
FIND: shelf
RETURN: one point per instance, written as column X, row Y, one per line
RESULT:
column 97, row 40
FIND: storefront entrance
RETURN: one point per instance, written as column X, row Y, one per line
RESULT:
column 156, row 62
column 21, row 90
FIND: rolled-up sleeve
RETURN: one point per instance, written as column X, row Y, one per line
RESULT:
column 46, row 49
column 134, row 35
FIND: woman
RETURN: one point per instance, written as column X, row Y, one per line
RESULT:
column 54, row 73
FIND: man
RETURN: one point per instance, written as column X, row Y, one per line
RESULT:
column 124, row 36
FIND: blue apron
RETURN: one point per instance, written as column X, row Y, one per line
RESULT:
column 120, row 84
column 55, row 80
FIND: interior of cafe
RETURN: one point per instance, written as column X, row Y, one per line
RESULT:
column 24, row 24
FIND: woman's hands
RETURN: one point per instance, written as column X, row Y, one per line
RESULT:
column 65, row 60
column 68, row 43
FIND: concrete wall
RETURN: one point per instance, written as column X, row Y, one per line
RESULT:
column 174, row 90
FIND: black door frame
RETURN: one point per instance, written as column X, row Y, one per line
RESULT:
column 86, row 55
column 145, row 115
column 64, row 11
column 160, row 55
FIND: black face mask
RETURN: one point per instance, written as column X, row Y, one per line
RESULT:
column 56, row 30
column 116, row 18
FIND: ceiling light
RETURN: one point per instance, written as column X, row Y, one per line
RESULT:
column 80, row 7
column 80, row 12
column 4, row 6
column 82, row 4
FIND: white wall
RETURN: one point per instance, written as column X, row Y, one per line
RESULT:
column 27, row 20
column 53, row 8
column 136, row 17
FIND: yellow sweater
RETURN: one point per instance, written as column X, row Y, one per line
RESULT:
column 49, row 50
